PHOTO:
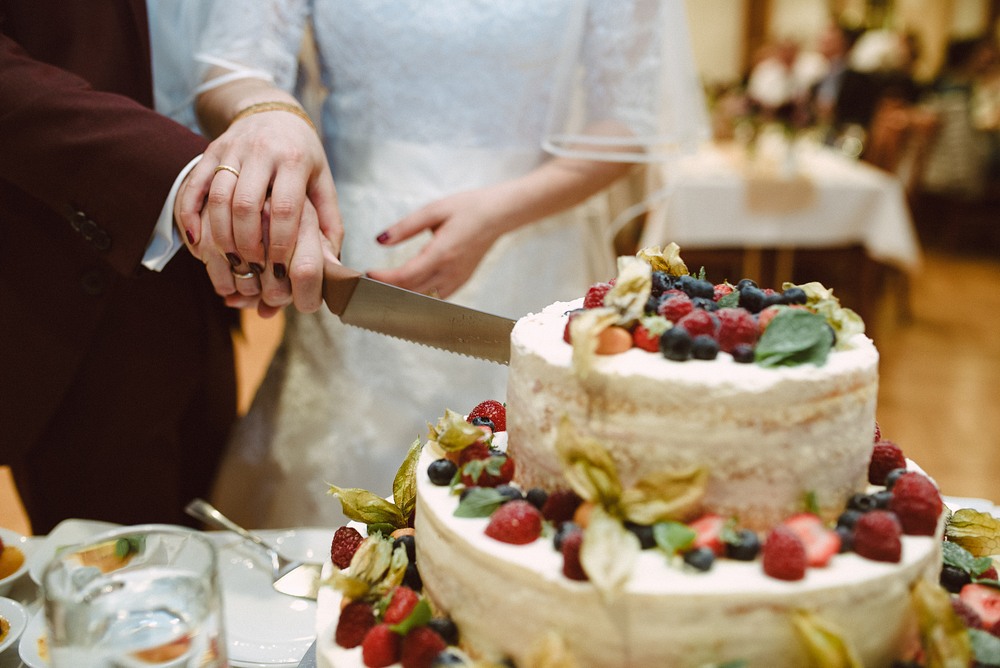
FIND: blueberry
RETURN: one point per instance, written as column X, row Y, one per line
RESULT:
column 892, row 476
column 752, row 299
column 794, row 295
column 704, row 347
column 953, row 579
column 705, row 304
column 849, row 518
column 565, row 529
column 746, row 547
column 662, row 281
column 509, row 493
column 882, row 499
column 695, row 287
column 442, row 471
column 833, row 334
column 483, row 421
column 653, row 304
column 644, row 533
column 743, row 353
column 447, row 658
column 445, row 628
column 537, row 497
column 746, row 282
column 412, row 578
column 862, row 502
column 846, row 538
column 675, row 344
column 410, row 544
column 701, row 558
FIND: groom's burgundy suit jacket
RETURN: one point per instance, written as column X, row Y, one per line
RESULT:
column 116, row 382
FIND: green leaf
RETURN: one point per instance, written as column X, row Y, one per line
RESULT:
column 825, row 643
column 479, row 502
column 986, row 647
column 794, row 336
column 673, row 537
column 404, row 485
column 419, row 616
column 608, row 553
column 732, row 300
column 819, row 299
column 363, row 506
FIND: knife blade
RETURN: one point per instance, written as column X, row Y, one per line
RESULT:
column 364, row 302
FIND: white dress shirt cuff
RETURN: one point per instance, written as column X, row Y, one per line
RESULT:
column 166, row 240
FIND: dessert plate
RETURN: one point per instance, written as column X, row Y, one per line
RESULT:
column 66, row 533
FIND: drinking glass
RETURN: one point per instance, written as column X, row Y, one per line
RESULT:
column 145, row 595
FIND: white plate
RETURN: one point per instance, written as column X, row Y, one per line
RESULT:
column 263, row 627
column 17, row 617
column 14, row 539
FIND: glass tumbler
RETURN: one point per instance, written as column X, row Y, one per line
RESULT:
column 144, row 595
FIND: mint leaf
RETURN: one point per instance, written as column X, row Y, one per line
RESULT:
column 732, row 300
column 479, row 502
column 419, row 616
column 986, row 647
column 793, row 337
column 956, row 556
column 672, row 537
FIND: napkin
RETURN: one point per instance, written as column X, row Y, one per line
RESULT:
column 774, row 194
column 13, row 516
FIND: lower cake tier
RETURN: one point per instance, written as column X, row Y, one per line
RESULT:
column 507, row 600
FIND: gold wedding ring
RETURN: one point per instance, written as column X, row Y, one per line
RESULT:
column 228, row 169
column 237, row 274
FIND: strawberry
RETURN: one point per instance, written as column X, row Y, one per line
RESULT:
column 356, row 620
column 380, row 647
column 595, row 295
column 420, row 647
column 736, row 326
column 572, row 568
column 985, row 600
column 644, row 339
column 721, row 290
column 675, row 307
column 515, row 522
column 878, row 536
column 886, row 456
column 708, row 533
column 492, row 409
column 699, row 321
column 345, row 543
column 966, row 613
column 402, row 602
column 820, row 541
column 917, row 503
column 784, row 554
column 560, row 505
column 491, row 471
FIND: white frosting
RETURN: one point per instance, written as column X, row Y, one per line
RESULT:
column 768, row 436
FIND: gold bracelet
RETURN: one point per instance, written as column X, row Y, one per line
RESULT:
column 274, row 106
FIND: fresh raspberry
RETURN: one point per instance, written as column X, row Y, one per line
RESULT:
column 699, row 321
column 642, row 338
column 708, row 533
column 420, row 647
column 721, row 290
column 515, row 522
column 595, row 295
column 886, row 456
column 473, row 451
column 736, row 326
column 820, row 541
column 878, row 432
column 572, row 568
column 985, row 600
column 784, row 554
column 345, row 543
column 356, row 620
column 917, row 503
column 675, row 307
column 381, row 647
column 560, row 505
column 492, row 409
column 878, row 536
column 402, row 603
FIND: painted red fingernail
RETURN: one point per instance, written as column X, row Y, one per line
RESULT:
column 280, row 271
column 190, row 236
column 256, row 268
column 234, row 259
column 382, row 238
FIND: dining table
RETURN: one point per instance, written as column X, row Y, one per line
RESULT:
column 776, row 196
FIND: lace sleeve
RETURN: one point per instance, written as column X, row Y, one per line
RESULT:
column 628, row 89
column 253, row 39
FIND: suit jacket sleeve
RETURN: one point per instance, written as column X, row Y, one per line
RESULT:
column 78, row 149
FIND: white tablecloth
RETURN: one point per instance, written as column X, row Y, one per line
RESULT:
column 811, row 197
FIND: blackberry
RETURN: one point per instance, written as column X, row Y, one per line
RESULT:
column 704, row 347
column 482, row 420
column 743, row 353
column 445, row 628
column 746, row 547
column 700, row 558
column 644, row 533
column 409, row 544
column 752, row 299
column 442, row 471
column 953, row 579
column 509, row 492
column 794, row 295
column 537, row 497
column 675, row 344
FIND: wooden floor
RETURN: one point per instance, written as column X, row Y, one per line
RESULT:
column 939, row 374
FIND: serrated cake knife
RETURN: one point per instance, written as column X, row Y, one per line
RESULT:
column 387, row 309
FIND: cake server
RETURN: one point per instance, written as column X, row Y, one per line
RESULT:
column 295, row 578
column 387, row 309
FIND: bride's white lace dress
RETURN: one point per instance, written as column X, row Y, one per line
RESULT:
column 425, row 99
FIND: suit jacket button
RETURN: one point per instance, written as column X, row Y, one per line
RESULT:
column 102, row 240
column 92, row 283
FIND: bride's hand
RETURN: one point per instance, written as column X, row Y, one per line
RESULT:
column 463, row 226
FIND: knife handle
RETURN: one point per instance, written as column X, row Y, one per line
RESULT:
column 338, row 286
